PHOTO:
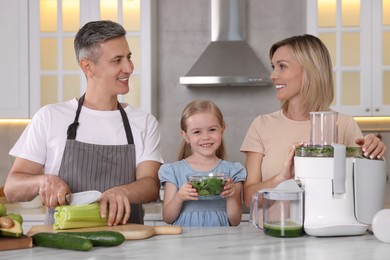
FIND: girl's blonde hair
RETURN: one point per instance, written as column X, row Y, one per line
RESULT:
column 317, row 83
column 195, row 107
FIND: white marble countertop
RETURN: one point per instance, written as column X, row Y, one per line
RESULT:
column 242, row 242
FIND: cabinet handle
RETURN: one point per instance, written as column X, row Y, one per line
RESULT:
column 377, row 109
column 367, row 109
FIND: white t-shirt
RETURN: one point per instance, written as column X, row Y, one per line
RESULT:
column 43, row 140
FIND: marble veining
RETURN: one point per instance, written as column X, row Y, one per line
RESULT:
column 242, row 242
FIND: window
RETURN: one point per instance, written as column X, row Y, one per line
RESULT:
column 55, row 75
column 357, row 34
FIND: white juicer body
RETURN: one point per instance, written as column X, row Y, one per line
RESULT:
column 331, row 196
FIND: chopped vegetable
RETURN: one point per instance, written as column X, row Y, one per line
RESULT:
column 78, row 216
column 326, row 151
column 314, row 151
column 354, row 152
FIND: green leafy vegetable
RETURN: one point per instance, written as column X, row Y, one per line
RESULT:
column 208, row 186
column 326, row 151
column 314, row 151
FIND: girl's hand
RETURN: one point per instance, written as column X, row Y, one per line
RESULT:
column 187, row 192
column 228, row 189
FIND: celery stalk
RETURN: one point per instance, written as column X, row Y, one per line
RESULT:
column 78, row 216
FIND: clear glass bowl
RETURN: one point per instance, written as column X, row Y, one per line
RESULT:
column 208, row 185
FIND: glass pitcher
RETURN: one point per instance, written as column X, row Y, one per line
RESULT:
column 282, row 212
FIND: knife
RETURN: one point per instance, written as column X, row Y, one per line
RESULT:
column 83, row 197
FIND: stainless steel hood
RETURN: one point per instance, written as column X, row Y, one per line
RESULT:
column 228, row 60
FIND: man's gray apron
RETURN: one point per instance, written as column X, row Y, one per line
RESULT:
column 98, row 167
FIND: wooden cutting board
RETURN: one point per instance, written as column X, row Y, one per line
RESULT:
column 10, row 243
column 130, row 231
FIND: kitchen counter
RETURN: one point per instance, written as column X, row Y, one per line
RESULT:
column 242, row 242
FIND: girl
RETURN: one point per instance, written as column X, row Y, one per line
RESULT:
column 202, row 151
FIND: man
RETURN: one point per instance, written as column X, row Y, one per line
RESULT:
column 93, row 142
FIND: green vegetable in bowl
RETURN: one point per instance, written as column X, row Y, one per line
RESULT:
column 326, row 151
column 209, row 187
column 354, row 152
column 314, row 151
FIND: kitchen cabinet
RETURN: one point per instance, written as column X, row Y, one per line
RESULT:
column 14, row 84
column 357, row 34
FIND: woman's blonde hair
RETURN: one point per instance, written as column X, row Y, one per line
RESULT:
column 195, row 107
column 317, row 83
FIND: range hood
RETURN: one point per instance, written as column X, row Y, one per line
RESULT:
column 228, row 60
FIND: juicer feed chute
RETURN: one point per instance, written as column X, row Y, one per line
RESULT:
column 323, row 128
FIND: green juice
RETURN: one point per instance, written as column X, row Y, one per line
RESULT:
column 278, row 229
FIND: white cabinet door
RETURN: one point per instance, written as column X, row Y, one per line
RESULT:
column 14, row 82
column 357, row 34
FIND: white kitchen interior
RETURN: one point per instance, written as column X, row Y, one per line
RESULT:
column 169, row 36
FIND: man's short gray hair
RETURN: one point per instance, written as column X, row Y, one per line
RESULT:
column 91, row 35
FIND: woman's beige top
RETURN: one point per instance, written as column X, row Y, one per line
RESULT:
column 273, row 134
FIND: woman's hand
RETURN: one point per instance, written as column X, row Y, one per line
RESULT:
column 288, row 166
column 228, row 189
column 372, row 146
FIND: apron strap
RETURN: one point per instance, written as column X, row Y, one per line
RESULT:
column 72, row 128
column 126, row 124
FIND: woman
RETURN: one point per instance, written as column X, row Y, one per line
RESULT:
column 302, row 74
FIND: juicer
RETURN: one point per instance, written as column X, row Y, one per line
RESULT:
column 343, row 190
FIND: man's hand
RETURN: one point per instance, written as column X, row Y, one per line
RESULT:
column 115, row 203
column 52, row 190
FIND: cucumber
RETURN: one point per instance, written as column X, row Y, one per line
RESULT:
column 100, row 238
column 62, row 241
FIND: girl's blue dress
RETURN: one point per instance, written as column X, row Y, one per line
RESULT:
column 200, row 213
